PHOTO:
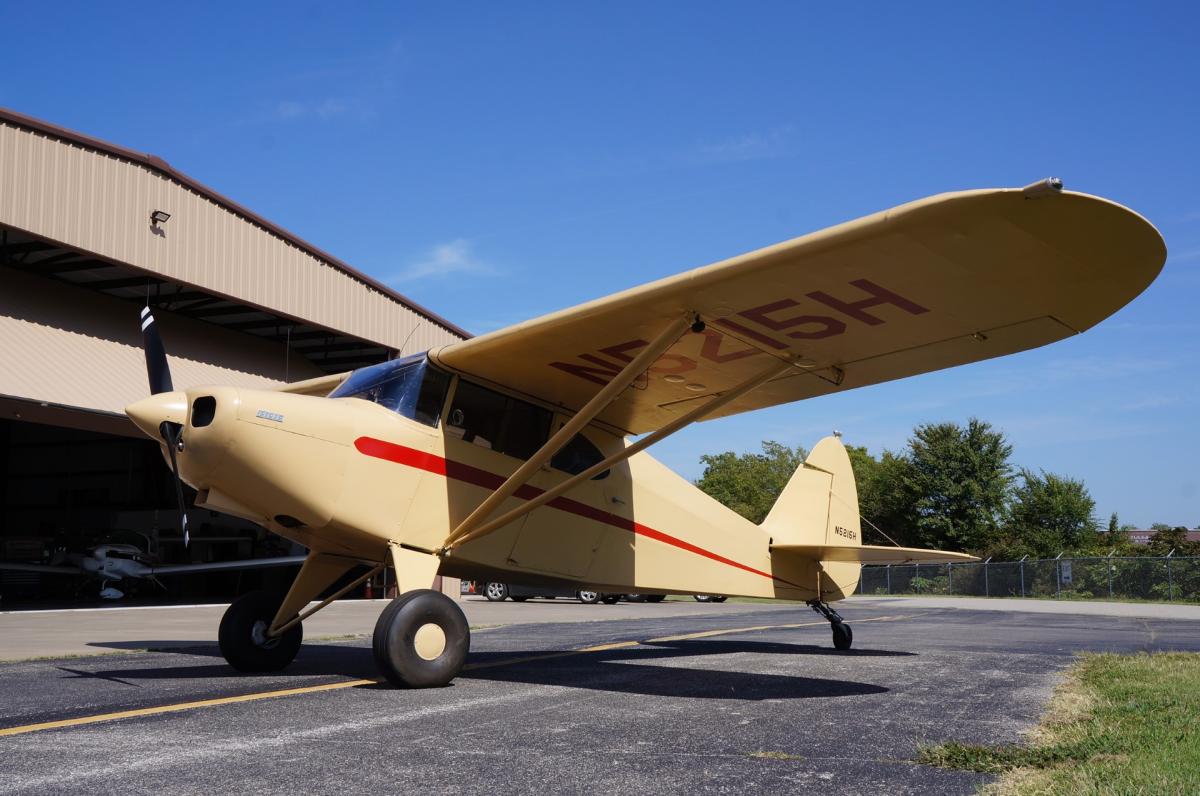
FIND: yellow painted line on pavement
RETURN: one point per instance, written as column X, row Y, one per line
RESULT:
column 313, row 689
column 202, row 703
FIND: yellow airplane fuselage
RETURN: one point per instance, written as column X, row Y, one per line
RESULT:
column 350, row 477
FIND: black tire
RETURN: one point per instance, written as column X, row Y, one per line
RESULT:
column 843, row 636
column 719, row 598
column 588, row 597
column 242, row 634
column 610, row 599
column 655, row 598
column 496, row 592
column 518, row 599
column 635, row 598
column 703, row 598
column 397, row 643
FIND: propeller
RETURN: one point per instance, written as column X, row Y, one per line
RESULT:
column 159, row 373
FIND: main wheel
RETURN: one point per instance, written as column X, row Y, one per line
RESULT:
column 843, row 636
column 588, row 597
column 421, row 640
column 243, row 634
column 496, row 592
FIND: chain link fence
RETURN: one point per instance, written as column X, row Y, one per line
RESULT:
column 1110, row 578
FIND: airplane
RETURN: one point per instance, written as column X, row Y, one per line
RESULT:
column 114, row 562
column 520, row 454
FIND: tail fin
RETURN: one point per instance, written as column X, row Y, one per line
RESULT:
column 818, row 509
column 815, row 530
column 819, row 505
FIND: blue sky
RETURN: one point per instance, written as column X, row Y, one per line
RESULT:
column 498, row 161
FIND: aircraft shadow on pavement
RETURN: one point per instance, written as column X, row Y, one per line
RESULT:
column 626, row 670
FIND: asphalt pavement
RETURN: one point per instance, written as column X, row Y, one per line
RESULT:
column 722, row 698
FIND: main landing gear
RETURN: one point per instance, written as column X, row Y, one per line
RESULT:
column 243, row 634
column 421, row 639
column 843, row 636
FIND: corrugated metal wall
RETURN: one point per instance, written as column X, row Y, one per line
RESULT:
column 73, row 347
column 97, row 202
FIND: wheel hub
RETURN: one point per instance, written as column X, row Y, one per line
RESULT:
column 429, row 641
column 258, row 634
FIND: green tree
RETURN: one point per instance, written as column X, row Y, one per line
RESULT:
column 750, row 483
column 1049, row 514
column 1116, row 541
column 956, row 483
column 882, row 499
column 1166, row 539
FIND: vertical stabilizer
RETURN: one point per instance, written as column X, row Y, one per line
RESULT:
column 819, row 506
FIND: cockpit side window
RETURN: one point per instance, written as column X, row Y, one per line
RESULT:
column 578, row 455
column 486, row 418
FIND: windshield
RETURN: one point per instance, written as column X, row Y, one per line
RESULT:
column 407, row 386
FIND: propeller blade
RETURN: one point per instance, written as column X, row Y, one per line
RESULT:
column 171, row 433
column 156, row 355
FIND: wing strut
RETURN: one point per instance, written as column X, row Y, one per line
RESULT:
column 665, row 339
column 776, row 368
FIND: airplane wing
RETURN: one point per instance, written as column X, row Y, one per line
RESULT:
column 942, row 281
column 874, row 554
column 216, row 566
column 14, row 566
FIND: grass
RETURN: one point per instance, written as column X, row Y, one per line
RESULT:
column 1119, row 724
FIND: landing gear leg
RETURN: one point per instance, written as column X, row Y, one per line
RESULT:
column 843, row 636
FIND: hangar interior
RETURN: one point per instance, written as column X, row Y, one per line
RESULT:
column 89, row 234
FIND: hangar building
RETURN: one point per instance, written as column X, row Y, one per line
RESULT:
column 91, row 232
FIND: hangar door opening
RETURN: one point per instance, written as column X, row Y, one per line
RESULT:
column 64, row 491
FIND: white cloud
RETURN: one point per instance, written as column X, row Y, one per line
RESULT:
column 445, row 259
column 328, row 108
column 1150, row 403
column 772, row 143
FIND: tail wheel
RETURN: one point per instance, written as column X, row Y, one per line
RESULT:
column 843, row 636
column 421, row 640
column 243, row 634
column 496, row 592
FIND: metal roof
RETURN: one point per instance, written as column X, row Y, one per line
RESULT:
column 78, row 211
column 162, row 167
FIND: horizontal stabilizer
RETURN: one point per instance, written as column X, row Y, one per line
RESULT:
column 873, row 554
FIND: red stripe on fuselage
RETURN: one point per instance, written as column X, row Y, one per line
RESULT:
column 431, row 463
